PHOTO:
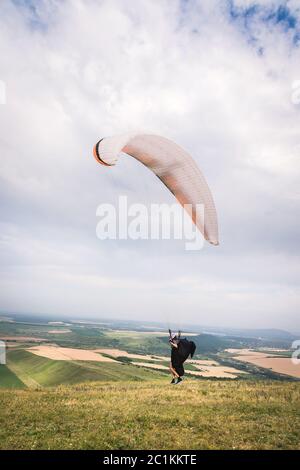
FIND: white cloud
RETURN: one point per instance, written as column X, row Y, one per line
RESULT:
column 76, row 71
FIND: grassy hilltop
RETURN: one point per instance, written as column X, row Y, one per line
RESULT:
column 153, row 415
column 71, row 403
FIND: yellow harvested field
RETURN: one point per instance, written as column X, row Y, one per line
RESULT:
column 273, row 350
column 59, row 332
column 281, row 365
column 120, row 353
column 68, row 354
column 204, row 362
column 219, row 371
column 150, row 365
column 207, row 368
column 248, row 352
column 215, row 371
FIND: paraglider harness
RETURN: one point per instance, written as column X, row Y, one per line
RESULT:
column 182, row 348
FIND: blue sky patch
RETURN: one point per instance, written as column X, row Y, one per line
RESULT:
column 282, row 16
column 30, row 9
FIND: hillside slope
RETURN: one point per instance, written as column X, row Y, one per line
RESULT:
column 153, row 415
column 8, row 379
column 36, row 371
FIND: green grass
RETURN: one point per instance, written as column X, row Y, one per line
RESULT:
column 153, row 415
column 88, row 337
column 8, row 379
column 36, row 371
column 137, row 342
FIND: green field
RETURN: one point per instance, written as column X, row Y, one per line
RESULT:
column 87, row 337
column 153, row 415
column 36, row 371
column 8, row 379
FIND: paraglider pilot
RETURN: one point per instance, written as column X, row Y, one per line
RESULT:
column 181, row 349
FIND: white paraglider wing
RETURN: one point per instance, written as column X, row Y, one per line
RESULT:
column 174, row 167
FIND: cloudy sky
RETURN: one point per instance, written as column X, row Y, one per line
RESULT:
column 222, row 79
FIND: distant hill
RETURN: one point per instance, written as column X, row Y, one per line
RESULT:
column 266, row 333
column 209, row 343
column 143, row 325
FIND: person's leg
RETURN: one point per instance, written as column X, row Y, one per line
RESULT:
column 180, row 373
column 173, row 371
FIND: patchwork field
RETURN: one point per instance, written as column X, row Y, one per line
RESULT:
column 195, row 367
column 120, row 353
column 97, row 351
column 281, row 365
column 203, row 370
column 37, row 372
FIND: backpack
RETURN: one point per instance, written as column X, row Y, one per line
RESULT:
column 186, row 348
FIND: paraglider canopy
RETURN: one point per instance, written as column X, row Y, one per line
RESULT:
column 174, row 167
